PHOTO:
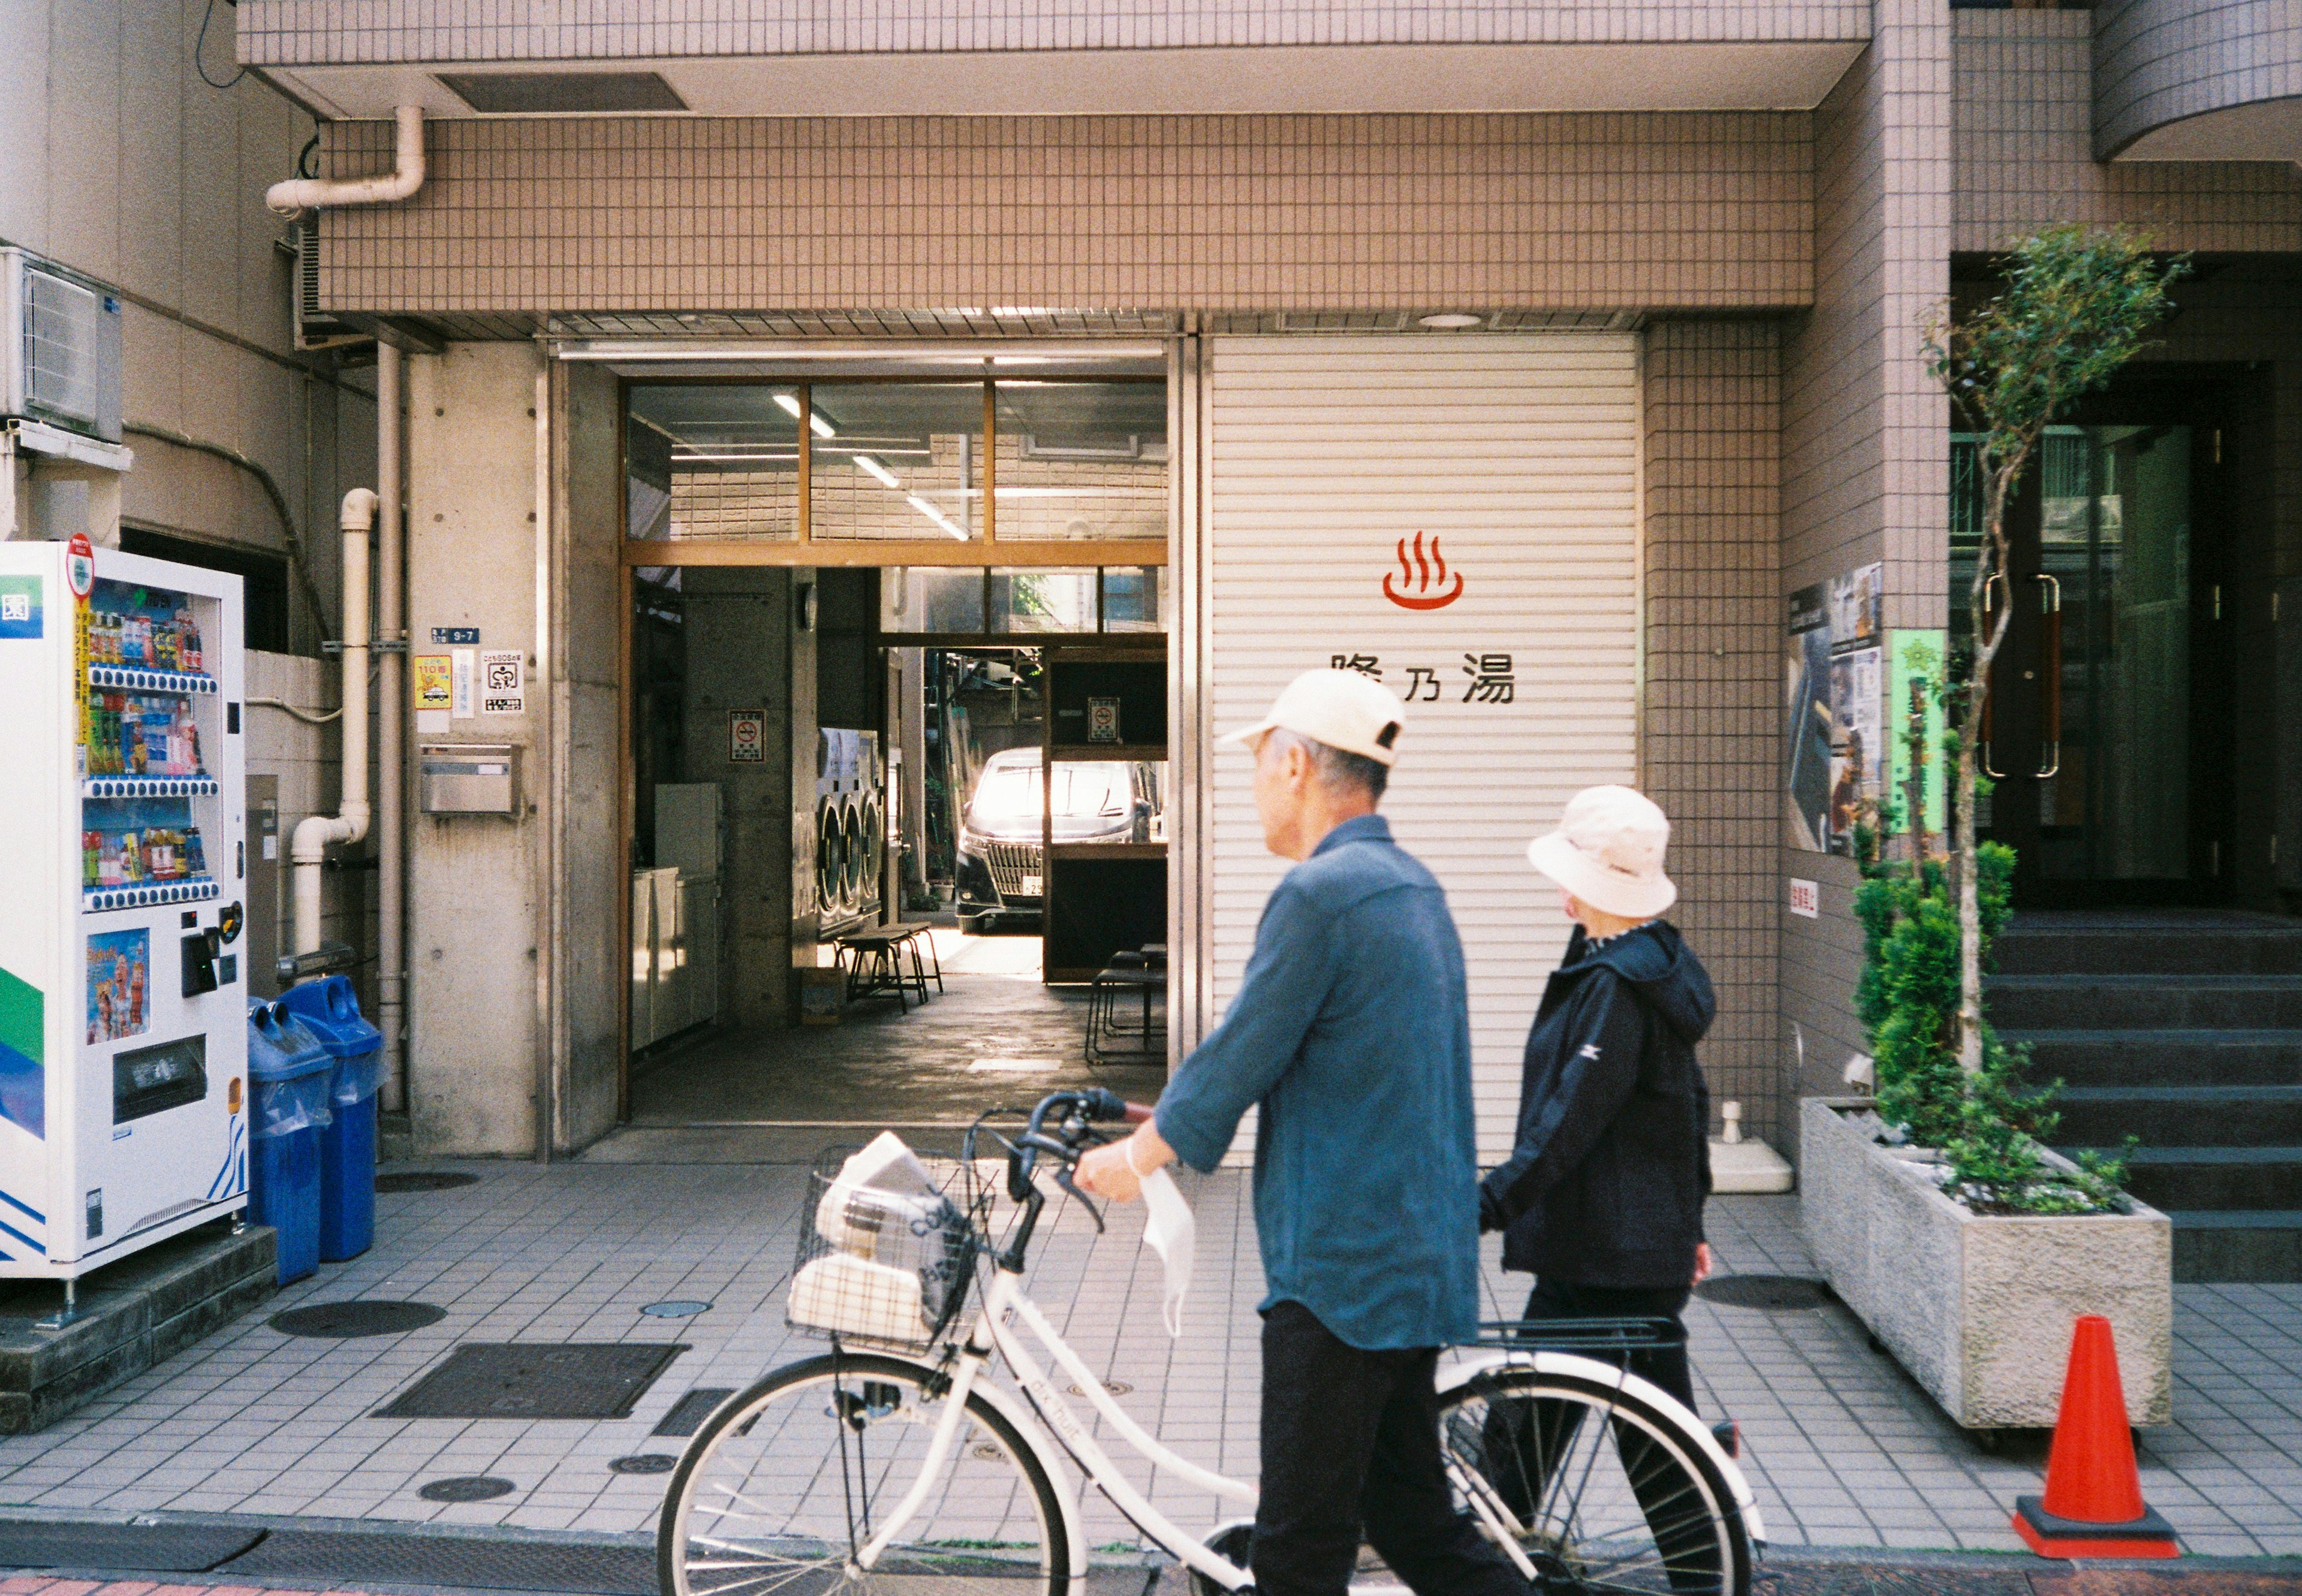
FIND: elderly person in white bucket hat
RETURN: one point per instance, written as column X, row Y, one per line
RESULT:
column 1601, row 1198
column 1351, row 1031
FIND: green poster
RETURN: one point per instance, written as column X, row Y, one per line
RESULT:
column 1913, row 674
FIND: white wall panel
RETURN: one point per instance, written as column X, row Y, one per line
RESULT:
column 1520, row 455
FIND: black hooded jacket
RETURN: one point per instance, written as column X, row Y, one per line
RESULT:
column 1606, row 1184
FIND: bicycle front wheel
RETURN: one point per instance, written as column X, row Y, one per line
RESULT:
column 1602, row 1491
column 785, row 1484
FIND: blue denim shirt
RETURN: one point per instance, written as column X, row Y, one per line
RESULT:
column 1352, row 1032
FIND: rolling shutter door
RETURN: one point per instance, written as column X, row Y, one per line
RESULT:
column 1514, row 460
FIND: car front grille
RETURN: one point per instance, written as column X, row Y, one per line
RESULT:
column 1009, row 863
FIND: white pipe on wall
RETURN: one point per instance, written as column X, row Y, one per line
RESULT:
column 301, row 194
column 314, row 833
column 391, row 745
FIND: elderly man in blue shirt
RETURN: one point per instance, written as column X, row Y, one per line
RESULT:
column 1351, row 1033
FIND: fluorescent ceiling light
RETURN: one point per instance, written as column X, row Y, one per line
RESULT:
column 1449, row 320
column 886, row 477
column 680, row 457
column 935, row 515
column 790, row 403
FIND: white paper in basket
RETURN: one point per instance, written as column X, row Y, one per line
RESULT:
column 1170, row 1229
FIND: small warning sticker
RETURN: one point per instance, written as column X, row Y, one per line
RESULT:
column 503, row 682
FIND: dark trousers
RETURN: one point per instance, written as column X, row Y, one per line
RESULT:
column 1529, row 1445
column 1351, row 1445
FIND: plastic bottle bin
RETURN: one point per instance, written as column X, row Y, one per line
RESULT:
column 330, row 1011
column 289, row 1074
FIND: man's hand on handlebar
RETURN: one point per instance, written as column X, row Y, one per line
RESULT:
column 1116, row 1172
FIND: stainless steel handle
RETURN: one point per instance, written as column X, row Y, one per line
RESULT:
column 2051, row 664
column 1990, row 684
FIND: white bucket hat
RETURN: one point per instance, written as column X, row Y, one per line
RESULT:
column 1608, row 852
column 1343, row 708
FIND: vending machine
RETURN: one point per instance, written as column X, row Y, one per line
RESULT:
column 124, row 997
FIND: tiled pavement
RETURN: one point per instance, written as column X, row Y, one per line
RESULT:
column 1843, row 1449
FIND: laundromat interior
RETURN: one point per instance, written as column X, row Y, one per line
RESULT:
column 896, row 790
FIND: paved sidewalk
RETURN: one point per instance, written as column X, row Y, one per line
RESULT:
column 1842, row 1448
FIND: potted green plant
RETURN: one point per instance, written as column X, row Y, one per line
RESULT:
column 1936, row 1209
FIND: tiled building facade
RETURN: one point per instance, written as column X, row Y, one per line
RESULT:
column 1779, row 254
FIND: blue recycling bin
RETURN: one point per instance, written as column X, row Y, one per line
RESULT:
column 330, row 1011
column 289, row 1074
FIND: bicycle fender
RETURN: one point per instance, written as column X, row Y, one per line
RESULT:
column 1052, row 1458
column 1453, row 1377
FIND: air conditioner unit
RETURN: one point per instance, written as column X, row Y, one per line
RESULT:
column 317, row 329
column 59, row 347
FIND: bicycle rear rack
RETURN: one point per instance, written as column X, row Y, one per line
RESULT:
column 1580, row 1335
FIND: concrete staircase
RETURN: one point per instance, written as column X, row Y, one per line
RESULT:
column 2184, row 1028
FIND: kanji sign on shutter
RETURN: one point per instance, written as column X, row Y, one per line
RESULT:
column 1457, row 518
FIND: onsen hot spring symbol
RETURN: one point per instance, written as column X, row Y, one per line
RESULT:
column 1427, row 584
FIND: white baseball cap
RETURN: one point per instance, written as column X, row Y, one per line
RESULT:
column 1608, row 852
column 1343, row 708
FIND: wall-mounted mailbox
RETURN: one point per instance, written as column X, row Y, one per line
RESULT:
column 468, row 778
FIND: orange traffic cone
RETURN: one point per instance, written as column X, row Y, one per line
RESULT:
column 2093, row 1506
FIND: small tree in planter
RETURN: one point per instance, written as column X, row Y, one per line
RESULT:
column 2075, row 306
column 2077, row 303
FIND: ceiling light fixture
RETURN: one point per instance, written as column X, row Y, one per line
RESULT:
column 1451, row 321
column 789, row 402
column 885, row 476
column 935, row 515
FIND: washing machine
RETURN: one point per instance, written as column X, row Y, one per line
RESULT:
column 851, row 806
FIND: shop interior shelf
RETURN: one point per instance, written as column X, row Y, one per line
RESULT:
column 141, row 895
column 138, row 678
column 148, row 786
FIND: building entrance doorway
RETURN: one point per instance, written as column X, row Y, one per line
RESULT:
column 2112, row 716
column 896, row 780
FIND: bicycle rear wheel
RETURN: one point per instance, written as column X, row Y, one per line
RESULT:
column 786, row 1482
column 1600, row 1489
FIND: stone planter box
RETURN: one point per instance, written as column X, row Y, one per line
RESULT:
column 1978, row 1308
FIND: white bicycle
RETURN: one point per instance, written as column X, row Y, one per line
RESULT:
column 891, row 1459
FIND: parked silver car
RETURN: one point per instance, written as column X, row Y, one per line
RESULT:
column 1002, row 875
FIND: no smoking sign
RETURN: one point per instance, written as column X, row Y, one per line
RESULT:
column 747, row 736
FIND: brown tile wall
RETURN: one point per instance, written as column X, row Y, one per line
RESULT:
column 2022, row 151
column 280, row 32
column 1713, row 677
column 1865, row 466
column 1651, row 210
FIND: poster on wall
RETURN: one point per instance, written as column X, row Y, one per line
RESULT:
column 1832, row 672
column 119, row 984
column 1915, row 659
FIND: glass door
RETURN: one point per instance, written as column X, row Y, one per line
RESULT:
column 2103, row 735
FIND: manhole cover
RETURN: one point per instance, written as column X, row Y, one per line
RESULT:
column 1774, row 1292
column 345, row 1321
column 506, row 1380
column 467, row 1488
column 424, row 1180
column 678, row 1308
column 645, row 1463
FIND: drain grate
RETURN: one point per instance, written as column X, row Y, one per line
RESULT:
column 510, row 1380
column 122, row 1548
column 1775, row 1293
column 424, row 1180
column 347, row 1321
column 467, row 1488
column 687, row 1414
column 335, row 1559
column 644, row 1463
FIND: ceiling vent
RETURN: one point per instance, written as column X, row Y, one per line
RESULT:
column 563, row 93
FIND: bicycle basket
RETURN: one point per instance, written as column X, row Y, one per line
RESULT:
column 886, row 1247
